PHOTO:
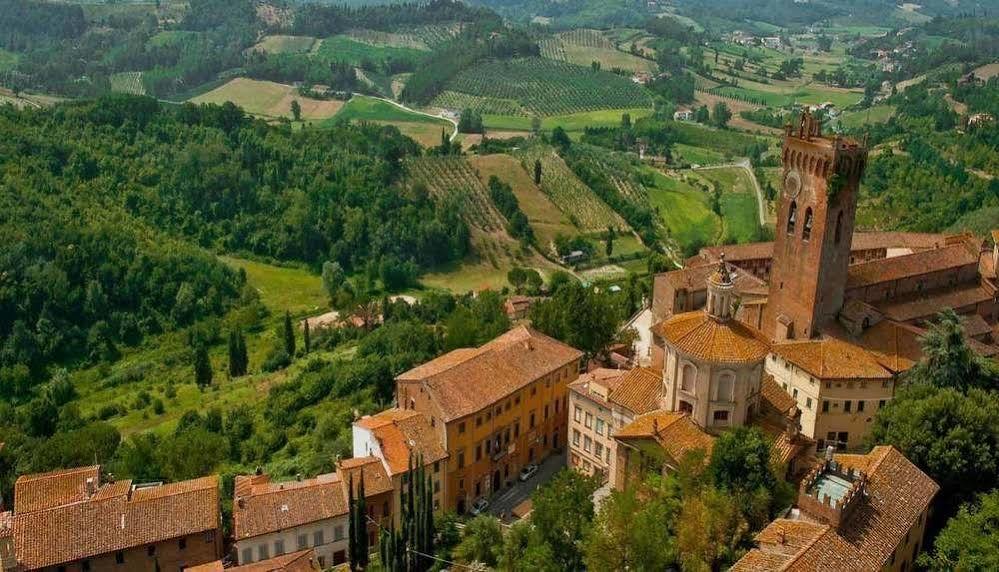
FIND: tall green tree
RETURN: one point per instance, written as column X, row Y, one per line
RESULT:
column 481, row 541
column 948, row 361
column 563, row 513
column 306, row 336
column 524, row 551
column 721, row 114
column 289, row 335
column 537, row 171
column 970, row 541
column 634, row 529
column 202, row 366
column 296, row 110
column 238, row 357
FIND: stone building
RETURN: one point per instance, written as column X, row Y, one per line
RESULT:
column 842, row 311
column 856, row 513
column 495, row 409
column 74, row 521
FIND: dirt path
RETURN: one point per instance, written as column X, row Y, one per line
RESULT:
column 411, row 110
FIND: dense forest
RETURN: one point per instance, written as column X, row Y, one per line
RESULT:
column 98, row 182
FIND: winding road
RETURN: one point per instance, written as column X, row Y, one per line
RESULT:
column 411, row 110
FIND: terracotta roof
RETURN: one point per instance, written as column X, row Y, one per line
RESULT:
column 897, row 493
column 830, row 358
column 674, row 432
column 262, row 507
column 55, row 488
column 975, row 325
column 301, row 561
column 6, row 524
column 639, row 391
column 898, row 267
column 605, row 378
column 465, row 381
column 861, row 241
column 100, row 526
column 928, row 304
column 376, row 480
column 775, row 397
column 699, row 335
column 696, row 277
column 895, row 346
column 402, row 434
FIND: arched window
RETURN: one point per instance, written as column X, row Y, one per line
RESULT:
column 806, row 230
column 726, row 382
column 792, row 215
column 689, row 378
column 839, row 227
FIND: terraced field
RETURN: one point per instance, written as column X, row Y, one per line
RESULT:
column 546, row 219
column 347, row 49
column 546, row 87
column 583, row 47
column 452, row 181
column 577, row 201
column 128, row 82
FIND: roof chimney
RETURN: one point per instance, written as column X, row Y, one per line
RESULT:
column 829, row 453
column 91, row 487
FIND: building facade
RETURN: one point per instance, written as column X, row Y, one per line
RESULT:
column 495, row 409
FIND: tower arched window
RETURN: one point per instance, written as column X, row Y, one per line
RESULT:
column 839, row 227
column 726, row 382
column 688, row 378
column 792, row 216
column 806, row 229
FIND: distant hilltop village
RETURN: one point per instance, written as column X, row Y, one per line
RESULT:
column 804, row 338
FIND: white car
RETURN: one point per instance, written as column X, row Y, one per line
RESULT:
column 528, row 472
column 480, row 506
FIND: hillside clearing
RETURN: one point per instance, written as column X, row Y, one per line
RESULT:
column 269, row 99
column 279, row 44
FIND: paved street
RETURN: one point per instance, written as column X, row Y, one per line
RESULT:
column 503, row 503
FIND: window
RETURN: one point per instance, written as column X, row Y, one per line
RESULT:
column 806, row 229
column 546, row 412
column 587, row 444
column 839, row 227
column 209, row 536
column 478, row 452
column 575, row 437
column 151, row 550
column 278, row 547
column 478, row 421
column 247, row 556
column 847, row 406
column 808, row 402
column 119, row 557
column 721, row 416
column 589, row 420
column 461, row 427
column 516, row 429
column 317, row 538
column 303, row 541
column 881, row 403
column 461, row 484
column 607, row 454
column 478, row 489
column 860, row 406
column 338, row 532
column 792, row 214
column 794, row 393
column 437, row 487
column 263, row 552
column 182, row 543
column 825, row 406
column 843, row 437
column 600, row 426
column 556, row 404
column 688, row 378
column 507, row 406
column 531, row 426
column 598, row 450
column 534, row 390
column 461, row 459
column 726, row 383
column 516, row 400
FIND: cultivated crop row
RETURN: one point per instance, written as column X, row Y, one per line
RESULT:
column 388, row 39
column 453, row 179
column 585, row 38
column 490, row 105
column 128, row 82
column 579, row 203
column 547, row 87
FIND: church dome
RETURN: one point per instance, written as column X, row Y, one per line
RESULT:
column 701, row 336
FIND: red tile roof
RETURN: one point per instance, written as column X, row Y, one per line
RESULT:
column 86, row 528
column 301, row 561
column 376, row 480
column 673, row 431
column 928, row 304
column 262, row 507
column 55, row 488
column 897, row 494
column 774, row 396
column 861, row 241
column 402, row 434
column 602, row 377
column 639, row 391
column 468, row 380
column 898, row 267
column 831, row 358
column 699, row 335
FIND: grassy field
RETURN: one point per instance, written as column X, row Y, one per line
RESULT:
column 545, row 87
column 740, row 219
column 468, row 276
column 423, row 129
column 874, row 114
column 570, row 121
column 545, row 218
column 269, row 99
column 697, row 155
column 279, row 44
column 346, row 49
column 128, row 82
column 684, row 210
column 165, row 38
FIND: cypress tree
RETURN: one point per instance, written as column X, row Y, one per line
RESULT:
column 289, row 335
column 202, row 366
column 537, row 171
column 362, row 527
column 306, row 337
column 238, row 359
column 352, row 525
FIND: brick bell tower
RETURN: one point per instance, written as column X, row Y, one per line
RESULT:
column 814, row 229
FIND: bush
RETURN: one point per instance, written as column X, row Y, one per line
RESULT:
column 277, row 359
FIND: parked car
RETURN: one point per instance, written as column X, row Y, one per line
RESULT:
column 480, row 506
column 528, row 472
